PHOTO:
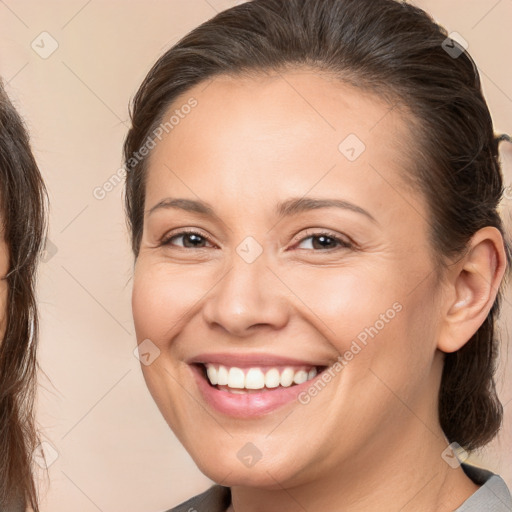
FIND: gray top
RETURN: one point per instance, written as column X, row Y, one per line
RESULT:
column 492, row 496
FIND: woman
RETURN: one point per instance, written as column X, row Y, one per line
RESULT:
column 23, row 206
column 312, row 193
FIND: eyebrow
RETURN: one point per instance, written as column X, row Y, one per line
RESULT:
column 287, row 208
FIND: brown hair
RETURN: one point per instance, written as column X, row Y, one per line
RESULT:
column 399, row 53
column 23, row 213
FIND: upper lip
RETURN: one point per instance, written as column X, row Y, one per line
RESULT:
column 250, row 360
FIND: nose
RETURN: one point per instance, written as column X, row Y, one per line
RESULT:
column 247, row 296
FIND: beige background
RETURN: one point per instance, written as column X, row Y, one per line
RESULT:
column 109, row 448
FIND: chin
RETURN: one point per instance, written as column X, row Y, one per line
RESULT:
column 230, row 471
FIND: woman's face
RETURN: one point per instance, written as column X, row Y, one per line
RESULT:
column 275, row 284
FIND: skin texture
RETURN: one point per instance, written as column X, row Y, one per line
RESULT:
column 370, row 440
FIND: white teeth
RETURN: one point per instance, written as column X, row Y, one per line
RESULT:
column 300, row 377
column 255, row 378
column 212, row 375
column 287, row 377
column 272, row 379
column 236, row 378
column 222, row 375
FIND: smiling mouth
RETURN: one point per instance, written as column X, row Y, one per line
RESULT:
column 258, row 379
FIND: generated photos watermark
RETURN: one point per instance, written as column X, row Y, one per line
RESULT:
column 357, row 345
column 165, row 127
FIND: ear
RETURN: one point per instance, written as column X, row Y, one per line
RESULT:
column 472, row 284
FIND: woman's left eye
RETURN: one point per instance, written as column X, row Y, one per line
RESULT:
column 326, row 241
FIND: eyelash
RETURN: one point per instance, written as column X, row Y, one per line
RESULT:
column 342, row 244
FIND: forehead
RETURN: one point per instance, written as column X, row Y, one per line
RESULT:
column 285, row 129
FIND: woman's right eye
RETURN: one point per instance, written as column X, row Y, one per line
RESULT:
column 190, row 239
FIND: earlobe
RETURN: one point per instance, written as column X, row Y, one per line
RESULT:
column 474, row 284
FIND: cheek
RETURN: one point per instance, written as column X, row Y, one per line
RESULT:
column 163, row 299
column 373, row 317
column 344, row 303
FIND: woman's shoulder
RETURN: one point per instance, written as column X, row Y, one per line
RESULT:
column 215, row 499
column 493, row 495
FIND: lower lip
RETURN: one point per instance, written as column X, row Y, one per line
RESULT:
column 247, row 405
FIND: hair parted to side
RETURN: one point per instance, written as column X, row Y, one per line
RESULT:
column 23, row 205
column 395, row 50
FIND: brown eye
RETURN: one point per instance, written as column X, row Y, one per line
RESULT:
column 325, row 241
column 190, row 240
